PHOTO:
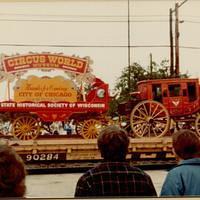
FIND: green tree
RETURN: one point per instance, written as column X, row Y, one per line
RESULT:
column 137, row 73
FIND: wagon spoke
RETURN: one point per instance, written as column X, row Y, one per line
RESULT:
column 154, row 132
column 135, row 116
column 138, row 122
column 158, row 113
column 154, row 110
column 146, row 129
column 137, row 128
column 141, row 112
column 150, row 109
column 145, row 109
column 158, row 128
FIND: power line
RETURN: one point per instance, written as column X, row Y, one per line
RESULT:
column 90, row 21
column 190, row 21
column 92, row 46
column 99, row 18
column 79, row 21
column 76, row 16
column 95, row 46
column 182, row 3
column 90, row 16
column 191, row 16
column 179, row 5
column 189, row 47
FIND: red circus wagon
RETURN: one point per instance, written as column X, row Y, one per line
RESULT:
column 162, row 105
column 33, row 103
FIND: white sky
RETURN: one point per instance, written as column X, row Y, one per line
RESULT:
column 32, row 23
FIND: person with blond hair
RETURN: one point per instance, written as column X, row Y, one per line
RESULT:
column 184, row 179
column 114, row 176
column 12, row 173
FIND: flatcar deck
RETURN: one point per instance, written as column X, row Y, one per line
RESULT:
column 75, row 152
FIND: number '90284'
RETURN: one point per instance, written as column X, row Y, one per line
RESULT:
column 42, row 157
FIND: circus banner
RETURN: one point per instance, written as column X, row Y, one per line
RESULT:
column 44, row 61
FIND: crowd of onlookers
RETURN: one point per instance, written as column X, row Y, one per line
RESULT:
column 114, row 176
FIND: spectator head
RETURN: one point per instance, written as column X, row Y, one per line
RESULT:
column 113, row 143
column 12, row 173
column 186, row 144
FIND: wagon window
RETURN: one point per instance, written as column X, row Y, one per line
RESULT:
column 157, row 92
column 174, row 90
column 192, row 91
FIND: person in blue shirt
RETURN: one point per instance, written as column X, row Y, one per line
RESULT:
column 184, row 179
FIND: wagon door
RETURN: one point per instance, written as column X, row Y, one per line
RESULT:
column 157, row 92
column 191, row 100
column 173, row 99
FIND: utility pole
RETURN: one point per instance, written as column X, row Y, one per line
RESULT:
column 177, row 67
column 151, row 65
column 171, row 44
column 175, row 72
column 129, row 48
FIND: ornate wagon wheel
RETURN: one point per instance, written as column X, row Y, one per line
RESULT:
column 149, row 119
column 197, row 124
column 25, row 127
column 90, row 128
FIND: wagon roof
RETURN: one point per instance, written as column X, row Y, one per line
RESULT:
column 169, row 80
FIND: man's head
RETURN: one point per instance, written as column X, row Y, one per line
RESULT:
column 113, row 143
column 186, row 144
column 12, row 173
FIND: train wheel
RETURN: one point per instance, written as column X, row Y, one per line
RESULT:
column 197, row 124
column 149, row 119
column 90, row 128
column 25, row 128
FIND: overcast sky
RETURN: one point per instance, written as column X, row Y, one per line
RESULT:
column 99, row 29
